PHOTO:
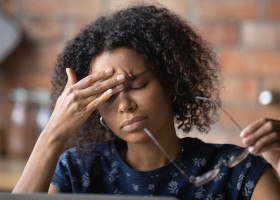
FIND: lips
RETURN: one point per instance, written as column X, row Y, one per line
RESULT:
column 133, row 124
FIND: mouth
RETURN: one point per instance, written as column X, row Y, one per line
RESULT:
column 134, row 124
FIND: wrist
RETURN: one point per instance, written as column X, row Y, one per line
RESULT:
column 51, row 141
column 56, row 132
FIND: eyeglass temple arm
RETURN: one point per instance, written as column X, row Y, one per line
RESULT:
column 234, row 160
column 224, row 110
column 165, row 153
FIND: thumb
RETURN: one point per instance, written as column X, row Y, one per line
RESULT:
column 72, row 78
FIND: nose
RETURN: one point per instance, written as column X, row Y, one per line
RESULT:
column 126, row 102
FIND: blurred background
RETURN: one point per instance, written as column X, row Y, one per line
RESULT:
column 244, row 34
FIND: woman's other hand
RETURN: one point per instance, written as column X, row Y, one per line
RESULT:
column 263, row 138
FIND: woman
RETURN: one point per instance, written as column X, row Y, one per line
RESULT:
column 138, row 68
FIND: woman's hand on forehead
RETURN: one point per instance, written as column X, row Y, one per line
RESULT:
column 80, row 98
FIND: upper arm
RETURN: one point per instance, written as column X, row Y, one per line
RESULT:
column 53, row 189
column 268, row 186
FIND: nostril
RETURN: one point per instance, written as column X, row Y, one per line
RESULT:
column 127, row 105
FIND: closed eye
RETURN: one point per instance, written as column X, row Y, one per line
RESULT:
column 133, row 86
column 138, row 87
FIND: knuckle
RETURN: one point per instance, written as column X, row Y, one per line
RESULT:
column 95, row 103
column 98, row 95
column 112, row 81
column 97, row 87
column 77, row 106
column 88, row 80
column 69, row 90
column 73, row 96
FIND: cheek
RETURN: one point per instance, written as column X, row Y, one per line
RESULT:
column 105, row 111
column 111, row 120
column 156, row 101
column 107, row 114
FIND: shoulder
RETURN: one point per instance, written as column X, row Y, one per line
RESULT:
column 87, row 150
column 79, row 166
column 238, row 181
column 81, row 158
column 268, row 186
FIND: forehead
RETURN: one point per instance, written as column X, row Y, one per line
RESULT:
column 121, row 60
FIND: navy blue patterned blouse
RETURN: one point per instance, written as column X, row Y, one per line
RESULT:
column 101, row 170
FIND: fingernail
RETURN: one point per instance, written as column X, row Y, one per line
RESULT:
column 251, row 149
column 109, row 91
column 120, row 78
column 108, row 70
column 242, row 134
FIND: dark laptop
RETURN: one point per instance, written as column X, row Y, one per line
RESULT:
column 39, row 196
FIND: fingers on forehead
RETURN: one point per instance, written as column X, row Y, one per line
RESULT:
column 92, row 78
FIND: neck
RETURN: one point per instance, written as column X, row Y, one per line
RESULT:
column 147, row 156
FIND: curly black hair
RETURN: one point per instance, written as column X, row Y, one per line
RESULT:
column 184, row 63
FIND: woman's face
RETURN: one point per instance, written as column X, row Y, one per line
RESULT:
column 142, row 104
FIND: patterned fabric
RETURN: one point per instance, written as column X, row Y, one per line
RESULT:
column 101, row 170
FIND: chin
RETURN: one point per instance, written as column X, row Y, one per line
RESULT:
column 135, row 137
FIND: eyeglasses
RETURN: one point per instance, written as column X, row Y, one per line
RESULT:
column 210, row 175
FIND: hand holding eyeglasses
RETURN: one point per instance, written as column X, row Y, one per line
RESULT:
column 263, row 138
